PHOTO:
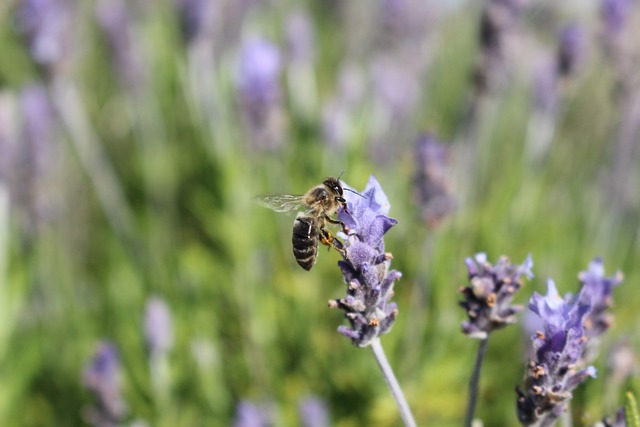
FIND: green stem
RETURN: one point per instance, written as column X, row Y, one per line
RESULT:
column 393, row 384
column 473, row 383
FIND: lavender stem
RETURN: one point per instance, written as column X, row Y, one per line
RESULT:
column 473, row 383
column 392, row 382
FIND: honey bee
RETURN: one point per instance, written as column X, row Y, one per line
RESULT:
column 318, row 203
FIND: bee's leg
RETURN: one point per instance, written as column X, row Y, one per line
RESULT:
column 326, row 238
column 345, row 229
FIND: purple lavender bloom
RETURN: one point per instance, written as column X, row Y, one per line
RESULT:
column 248, row 414
column 196, row 17
column 545, row 87
column 47, row 27
column 597, row 291
column 313, row 412
column 113, row 18
column 487, row 299
column 552, row 374
column 259, row 92
column 614, row 14
column 619, row 421
column 102, row 378
column 157, row 326
column 365, row 267
column 571, row 49
column 32, row 162
column 432, row 186
column 259, row 72
column 300, row 36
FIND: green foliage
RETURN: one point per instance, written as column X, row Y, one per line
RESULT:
column 150, row 194
column 631, row 415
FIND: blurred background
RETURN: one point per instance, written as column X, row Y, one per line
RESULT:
column 141, row 285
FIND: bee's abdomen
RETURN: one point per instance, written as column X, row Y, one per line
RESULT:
column 305, row 242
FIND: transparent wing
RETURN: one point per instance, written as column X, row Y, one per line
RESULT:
column 281, row 202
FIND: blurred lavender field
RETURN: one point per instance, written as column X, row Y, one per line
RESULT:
column 139, row 283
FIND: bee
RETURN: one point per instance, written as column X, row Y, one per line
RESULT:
column 319, row 203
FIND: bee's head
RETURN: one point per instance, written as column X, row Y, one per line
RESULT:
column 334, row 185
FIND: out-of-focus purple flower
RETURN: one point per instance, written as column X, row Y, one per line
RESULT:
column 396, row 86
column 497, row 18
column 545, row 87
column 196, row 18
column 402, row 21
column 614, row 14
column 101, row 377
column 259, row 71
column 300, row 37
column 337, row 112
column 619, row 421
column 48, row 28
column 313, row 412
column 571, row 49
column 487, row 299
column 552, row 375
column 365, row 267
column 432, row 186
column 158, row 328
column 497, row 23
column 622, row 362
column 259, row 92
column 114, row 19
column 248, row 414
column 31, row 158
column 8, row 134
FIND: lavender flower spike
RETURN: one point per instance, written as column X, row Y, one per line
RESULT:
column 366, row 266
column 596, row 291
column 101, row 377
column 487, row 299
column 552, row 376
column 369, row 282
column 158, row 330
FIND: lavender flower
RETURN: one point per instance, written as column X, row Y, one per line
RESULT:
column 570, row 50
column 432, row 186
column 496, row 23
column 31, row 160
column 48, row 30
column 102, row 378
column 313, row 412
column 487, row 299
column 552, row 375
column 337, row 113
column 248, row 414
column 365, row 267
column 196, row 18
column 619, row 420
column 545, row 87
column 259, row 93
column 113, row 16
column 614, row 15
column 157, row 326
column 300, row 37
column 596, row 291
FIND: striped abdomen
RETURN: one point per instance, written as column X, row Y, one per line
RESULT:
column 305, row 241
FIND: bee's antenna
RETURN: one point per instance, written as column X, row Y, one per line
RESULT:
column 340, row 175
column 355, row 192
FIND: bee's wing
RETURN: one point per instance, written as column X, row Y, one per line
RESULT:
column 281, row 202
